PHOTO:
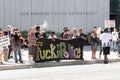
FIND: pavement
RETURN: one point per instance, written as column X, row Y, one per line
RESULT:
column 113, row 57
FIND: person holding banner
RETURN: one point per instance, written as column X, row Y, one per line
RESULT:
column 5, row 47
column 74, row 34
column 1, row 47
column 10, row 47
column 32, row 44
column 65, row 34
column 83, row 39
column 52, row 35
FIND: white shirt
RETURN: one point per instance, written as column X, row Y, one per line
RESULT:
column 50, row 37
column 114, row 36
column 105, row 38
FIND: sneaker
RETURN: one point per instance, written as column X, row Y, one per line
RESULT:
column 81, row 59
column 32, row 62
column 94, row 58
column 21, row 61
column 16, row 62
column 105, row 62
column 11, row 56
column 1, row 63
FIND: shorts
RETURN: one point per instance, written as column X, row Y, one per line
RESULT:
column 106, row 50
column 32, row 50
column 94, row 44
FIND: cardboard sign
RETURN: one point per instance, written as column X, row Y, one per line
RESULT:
column 109, row 23
column 4, row 41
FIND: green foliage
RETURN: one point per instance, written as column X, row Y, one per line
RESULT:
column 24, row 34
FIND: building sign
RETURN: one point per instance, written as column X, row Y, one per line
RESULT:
column 109, row 23
column 39, row 13
column 48, row 50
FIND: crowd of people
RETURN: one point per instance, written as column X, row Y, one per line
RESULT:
column 106, row 40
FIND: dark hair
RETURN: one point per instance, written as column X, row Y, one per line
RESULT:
column 38, row 27
column 5, row 33
column 95, row 27
column 106, row 30
column 65, row 28
column 16, row 38
column 0, row 29
column 53, row 32
column 102, row 32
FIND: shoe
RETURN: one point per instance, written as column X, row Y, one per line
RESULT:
column 1, row 63
column 32, row 62
column 57, row 61
column 94, row 58
column 81, row 59
column 105, row 62
column 21, row 61
column 11, row 56
column 16, row 62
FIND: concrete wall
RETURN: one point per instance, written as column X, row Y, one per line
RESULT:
column 57, row 13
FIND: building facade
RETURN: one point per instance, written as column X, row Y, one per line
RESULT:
column 115, row 12
column 56, row 13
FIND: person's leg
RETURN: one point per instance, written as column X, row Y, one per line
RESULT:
column 94, row 48
column 19, row 54
column 5, row 56
column 34, row 52
column 15, row 54
column 30, row 54
column 106, row 52
column 100, row 51
column 1, row 57
column 81, row 53
column 115, row 45
column 105, row 59
column 9, row 51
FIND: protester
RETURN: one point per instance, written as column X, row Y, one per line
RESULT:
column 74, row 33
column 64, row 29
column 114, row 39
column 101, row 49
column 119, row 47
column 83, row 39
column 65, row 34
column 17, row 46
column 9, row 32
column 37, row 33
column 94, row 42
column 106, row 42
column 32, row 44
column 52, row 35
column 5, row 48
column 1, row 35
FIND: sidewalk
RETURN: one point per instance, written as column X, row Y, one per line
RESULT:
column 87, row 60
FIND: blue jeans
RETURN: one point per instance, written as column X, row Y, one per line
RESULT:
column 114, row 45
column 17, row 50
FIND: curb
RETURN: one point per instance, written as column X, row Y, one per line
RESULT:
column 78, row 62
column 54, row 64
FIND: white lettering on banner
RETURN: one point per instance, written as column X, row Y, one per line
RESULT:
column 4, row 41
